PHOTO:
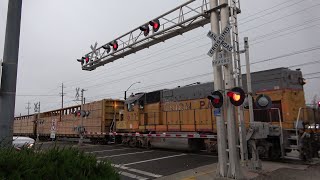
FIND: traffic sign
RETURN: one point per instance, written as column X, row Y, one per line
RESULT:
column 53, row 134
column 217, row 112
column 221, row 60
column 53, row 125
column 219, row 40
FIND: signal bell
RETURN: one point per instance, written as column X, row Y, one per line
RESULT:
column 216, row 99
column 236, row 96
column 155, row 25
column 263, row 102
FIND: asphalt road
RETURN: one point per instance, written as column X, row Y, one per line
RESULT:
column 142, row 164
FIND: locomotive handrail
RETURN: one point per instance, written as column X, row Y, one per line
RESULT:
column 296, row 126
column 281, row 132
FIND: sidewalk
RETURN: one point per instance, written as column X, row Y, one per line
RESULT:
column 209, row 172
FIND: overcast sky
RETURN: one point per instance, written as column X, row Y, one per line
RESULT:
column 54, row 33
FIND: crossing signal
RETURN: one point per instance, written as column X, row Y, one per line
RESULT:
column 216, row 99
column 81, row 113
column 85, row 59
column 107, row 47
column 319, row 104
column 236, row 96
column 155, row 25
column 81, row 60
column 145, row 29
column 263, row 102
column 114, row 45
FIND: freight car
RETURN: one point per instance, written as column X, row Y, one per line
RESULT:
column 65, row 123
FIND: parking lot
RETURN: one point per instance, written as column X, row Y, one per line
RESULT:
column 142, row 164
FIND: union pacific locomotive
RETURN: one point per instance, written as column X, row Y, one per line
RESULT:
column 183, row 118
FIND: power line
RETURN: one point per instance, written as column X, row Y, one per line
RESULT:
column 271, row 12
column 277, row 5
column 255, row 27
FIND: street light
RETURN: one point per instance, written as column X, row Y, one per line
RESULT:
column 125, row 92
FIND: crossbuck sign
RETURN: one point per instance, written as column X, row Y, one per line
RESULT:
column 219, row 40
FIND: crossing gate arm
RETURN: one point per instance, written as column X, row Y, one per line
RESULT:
column 184, row 18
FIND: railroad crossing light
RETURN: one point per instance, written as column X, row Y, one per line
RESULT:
column 236, row 96
column 155, row 25
column 263, row 102
column 145, row 29
column 107, row 47
column 81, row 113
column 216, row 99
column 86, row 59
column 319, row 104
column 77, row 113
column 114, row 45
column 81, row 60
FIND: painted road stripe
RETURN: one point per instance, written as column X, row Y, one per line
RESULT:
column 124, row 154
column 108, row 150
column 132, row 175
column 137, row 171
column 166, row 157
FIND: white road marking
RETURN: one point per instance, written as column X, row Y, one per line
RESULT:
column 137, row 171
column 166, row 157
column 132, row 175
column 108, row 150
column 124, row 154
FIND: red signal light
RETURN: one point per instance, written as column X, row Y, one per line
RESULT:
column 319, row 104
column 216, row 99
column 155, row 25
column 236, row 96
column 86, row 59
column 114, row 45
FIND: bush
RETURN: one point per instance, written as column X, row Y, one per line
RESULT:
column 55, row 163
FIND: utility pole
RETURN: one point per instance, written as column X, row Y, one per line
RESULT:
column 218, row 85
column 82, row 129
column 9, row 71
column 234, row 162
column 246, row 49
column 62, row 95
column 28, row 108
column 37, row 110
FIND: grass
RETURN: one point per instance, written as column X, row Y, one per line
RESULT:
column 55, row 163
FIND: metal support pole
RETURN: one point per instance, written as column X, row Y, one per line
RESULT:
column 9, row 71
column 81, row 129
column 249, row 87
column 38, row 119
column 218, row 85
column 234, row 162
